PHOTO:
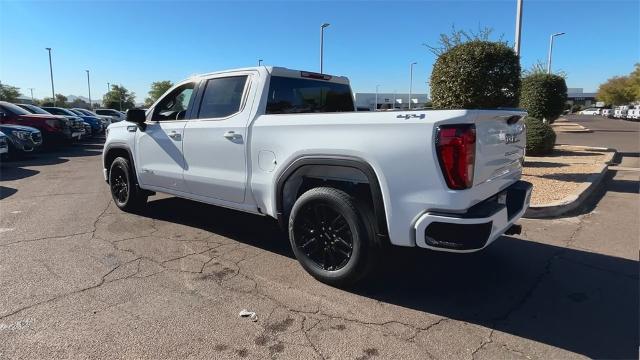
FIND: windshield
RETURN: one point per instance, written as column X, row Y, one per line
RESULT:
column 59, row 111
column 34, row 109
column 85, row 112
column 16, row 110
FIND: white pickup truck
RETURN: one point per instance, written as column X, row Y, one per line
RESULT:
column 289, row 144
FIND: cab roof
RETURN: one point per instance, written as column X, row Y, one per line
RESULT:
column 285, row 72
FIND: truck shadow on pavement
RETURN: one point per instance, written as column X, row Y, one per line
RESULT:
column 571, row 299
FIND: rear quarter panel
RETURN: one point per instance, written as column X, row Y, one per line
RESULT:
column 398, row 146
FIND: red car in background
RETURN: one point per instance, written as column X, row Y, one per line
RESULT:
column 54, row 128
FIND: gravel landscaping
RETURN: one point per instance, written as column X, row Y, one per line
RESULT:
column 557, row 176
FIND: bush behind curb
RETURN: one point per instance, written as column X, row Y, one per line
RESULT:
column 540, row 137
column 543, row 96
column 476, row 75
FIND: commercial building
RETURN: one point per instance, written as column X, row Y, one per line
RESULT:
column 386, row 101
column 576, row 96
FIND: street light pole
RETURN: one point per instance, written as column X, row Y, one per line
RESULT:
column 411, row 82
column 108, row 87
column 375, row 106
column 53, row 92
column 32, row 100
column 516, row 46
column 551, row 50
column 89, row 87
column 322, row 45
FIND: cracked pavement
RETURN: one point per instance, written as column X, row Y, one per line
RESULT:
column 81, row 279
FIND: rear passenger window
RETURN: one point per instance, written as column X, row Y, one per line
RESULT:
column 222, row 97
column 295, row 95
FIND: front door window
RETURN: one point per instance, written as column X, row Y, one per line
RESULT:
column 174, row 106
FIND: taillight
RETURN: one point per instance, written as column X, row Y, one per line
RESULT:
column 456, row 148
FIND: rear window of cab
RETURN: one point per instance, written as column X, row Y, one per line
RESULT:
column 296, row 96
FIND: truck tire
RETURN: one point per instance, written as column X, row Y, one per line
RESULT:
column 331, row 238
column 124, row 189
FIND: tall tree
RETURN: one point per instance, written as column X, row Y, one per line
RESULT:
column 79, row 103
column 158, row 88
column 616, row 91
column 9, row 93
column 621, row 90
column 634, row 80
column 119, row 98
column 61, row 101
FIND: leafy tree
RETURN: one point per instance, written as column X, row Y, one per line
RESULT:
column 621, row 90
column 119, row 98
column 476, row 74
column 543, row 95
column 61, row 101
column 9, row 93
column 79, row 103
column 617, row 91
column 634, row 80
column 158, row 88
column 45, row 102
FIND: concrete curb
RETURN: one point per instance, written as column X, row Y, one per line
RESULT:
column 569, row 127
column 575, row 200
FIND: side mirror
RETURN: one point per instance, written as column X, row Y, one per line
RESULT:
column 137, row 116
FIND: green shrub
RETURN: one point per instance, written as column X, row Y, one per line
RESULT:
column 543, row 96
column 476, row 75
column 540, row 137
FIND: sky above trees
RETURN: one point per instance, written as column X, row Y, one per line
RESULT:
column 137, row 43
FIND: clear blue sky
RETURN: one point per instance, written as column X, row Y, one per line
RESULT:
column 136, row 43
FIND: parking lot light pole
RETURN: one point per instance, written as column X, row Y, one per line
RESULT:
column 108, row 87
column 411, row 82
column 322, row 44
column 551, row 50
column 89, row 87
column 375, row 106
column 32, row 100
column 53, row 92
column 516, row 46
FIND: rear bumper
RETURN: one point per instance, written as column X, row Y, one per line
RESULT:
column 478, row 227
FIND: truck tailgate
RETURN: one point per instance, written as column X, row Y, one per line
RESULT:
column 500, row 144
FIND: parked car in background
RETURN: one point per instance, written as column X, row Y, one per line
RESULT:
column 77, row 122
column 106, row 120
column 4, row 145
column 54, row 129
column 620, row 112
column 88, row 132
column 95, row 122
column 607, row 113
column 115, row 114
column 21, row 139
column 590, row 111
column 633, row 112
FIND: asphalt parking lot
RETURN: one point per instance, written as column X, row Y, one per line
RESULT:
column 81, row 279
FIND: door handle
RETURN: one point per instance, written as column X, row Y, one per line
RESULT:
column 231, row 135
column 175, row 135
